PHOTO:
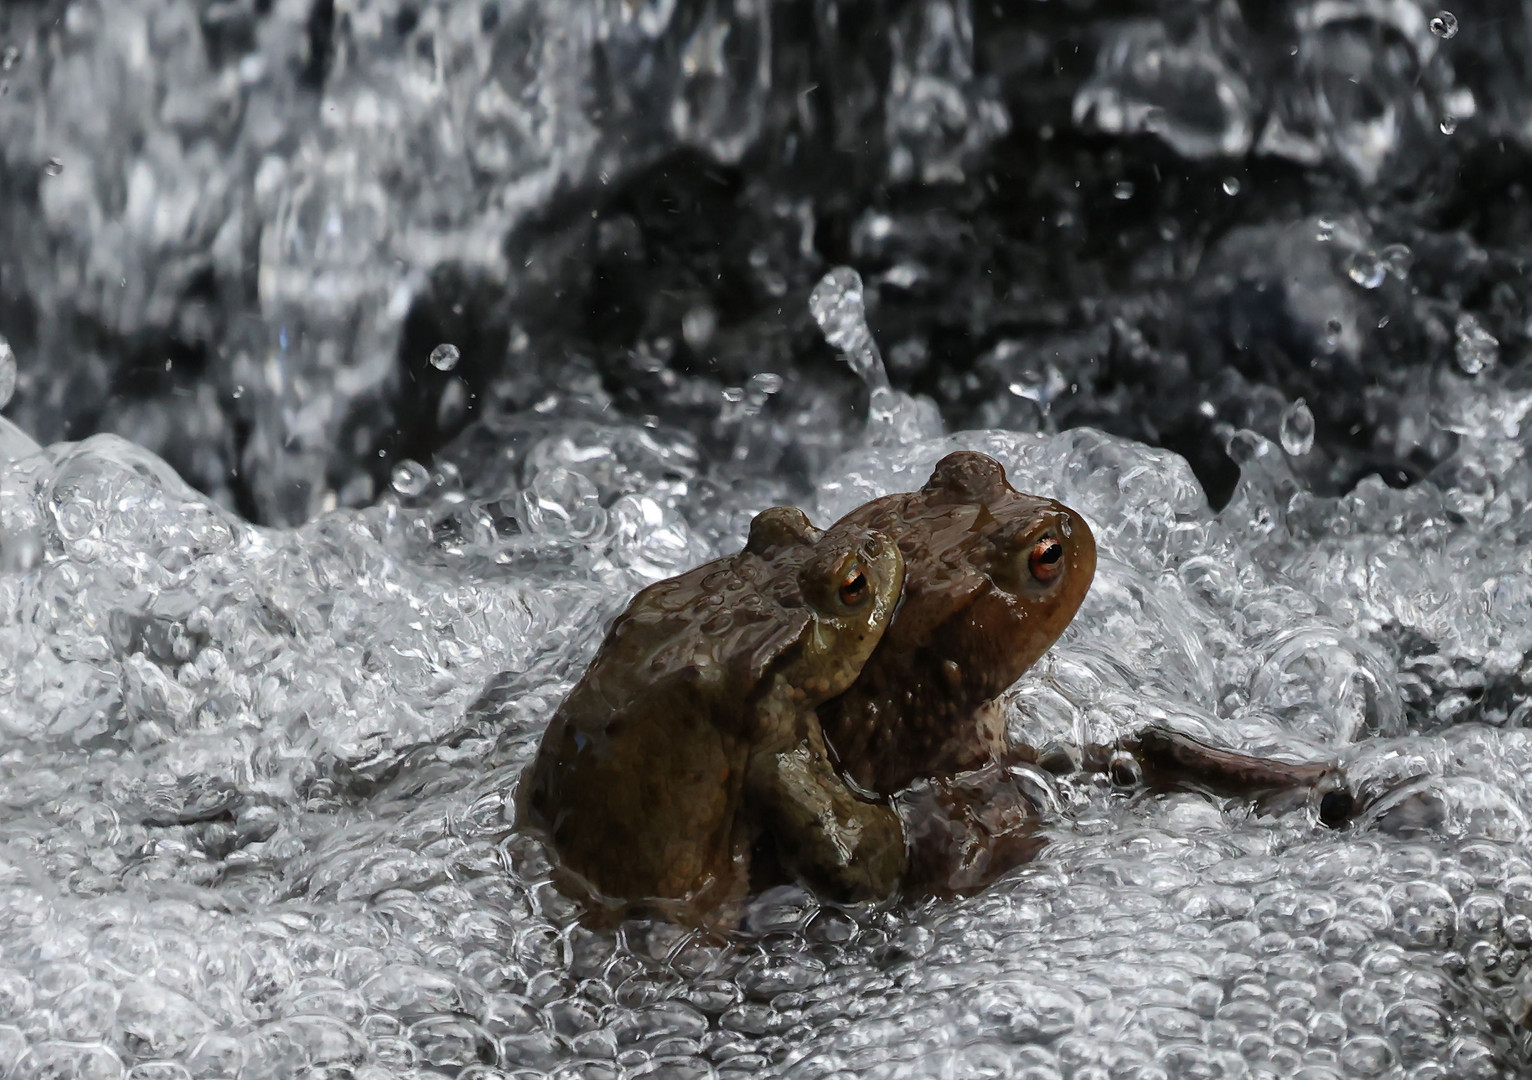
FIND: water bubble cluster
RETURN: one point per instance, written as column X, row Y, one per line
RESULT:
column 262, row 782
column 258, row 784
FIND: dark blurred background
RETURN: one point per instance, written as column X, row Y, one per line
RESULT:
column 236, row 231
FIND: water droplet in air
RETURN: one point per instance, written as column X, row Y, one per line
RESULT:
column 698, row 326
column 410, row 478
column 1231, row 185
column 766, row 383
column 1297, row 429
column 836, row 304
column 8, row 57
column 1449, row 124
column 453, row 404
column 445, row 357
column 53, row 166
column 1122, row 191
column 1476, row 347
column 1444, row 24
column 1365, row 268
column 7, row 372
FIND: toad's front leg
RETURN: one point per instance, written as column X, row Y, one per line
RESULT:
column 841, row 844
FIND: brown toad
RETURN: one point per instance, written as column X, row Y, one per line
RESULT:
column 993, row 576
column 692, row 738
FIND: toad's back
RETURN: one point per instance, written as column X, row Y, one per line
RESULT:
column 693, row 734
column 638, row 781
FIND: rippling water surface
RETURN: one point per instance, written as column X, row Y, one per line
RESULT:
column 494, row 313
column 256, row 786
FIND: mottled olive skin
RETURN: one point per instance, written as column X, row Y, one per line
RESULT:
column 972, row 618
column 692, row 735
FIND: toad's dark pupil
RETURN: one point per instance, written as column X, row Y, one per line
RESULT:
column 1045, row 559
column 853, row 588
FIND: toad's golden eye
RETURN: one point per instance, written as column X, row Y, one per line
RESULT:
column 1047, row 559
column 854, row 589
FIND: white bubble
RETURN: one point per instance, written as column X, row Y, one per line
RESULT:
column 1444, row 24
column 1366, row 269
column 410, row 478
column 698, row 326
column 765, row 383
column 1297, row 428
column 1397, row 260
column 1476, row 348
column 445, row 357
column 1231, row 185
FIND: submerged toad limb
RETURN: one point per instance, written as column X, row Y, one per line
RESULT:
column 964, row 831
column 692, row 736
column 1167, row 760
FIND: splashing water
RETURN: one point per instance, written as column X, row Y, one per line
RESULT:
column 836, row 305
column 259, row 782
column 256, row 785
column 7, row 373
column 1297, row 428
column 1476, row 348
